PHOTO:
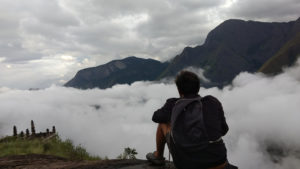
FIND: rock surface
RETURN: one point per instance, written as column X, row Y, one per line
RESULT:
column 36, row 161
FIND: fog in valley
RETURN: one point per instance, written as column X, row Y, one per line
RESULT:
column 262, row 112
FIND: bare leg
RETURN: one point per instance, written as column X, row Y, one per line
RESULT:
column 161, row 132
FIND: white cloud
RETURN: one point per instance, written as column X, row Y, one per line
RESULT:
column 263, row 10
column 2, row 59
column 41, row 73
column 261, row 111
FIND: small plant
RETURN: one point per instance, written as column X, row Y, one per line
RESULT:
column 129, row 153
column 46, row 147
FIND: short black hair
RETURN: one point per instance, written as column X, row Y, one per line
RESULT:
column 187, row 83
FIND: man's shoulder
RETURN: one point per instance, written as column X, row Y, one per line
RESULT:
column 173, row 99
column 210, row 99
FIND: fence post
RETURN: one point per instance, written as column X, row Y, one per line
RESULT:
column 15, row 131
column 32, row 128
column 27, row 133
column 53, row 129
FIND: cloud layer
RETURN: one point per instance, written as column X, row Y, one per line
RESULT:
column 97, row 31
column 262, row 112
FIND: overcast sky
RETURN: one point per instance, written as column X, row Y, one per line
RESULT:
column 44, row 42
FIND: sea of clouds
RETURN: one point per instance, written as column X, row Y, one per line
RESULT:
column 263, row 114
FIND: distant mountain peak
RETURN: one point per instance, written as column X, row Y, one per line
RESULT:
column 122, row 71
column 232, row 47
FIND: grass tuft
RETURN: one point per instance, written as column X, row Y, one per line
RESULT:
column 54, row 146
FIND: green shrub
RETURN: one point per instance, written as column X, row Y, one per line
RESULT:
column 129, row 153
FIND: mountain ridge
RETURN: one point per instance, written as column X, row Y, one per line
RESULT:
column 125, row 71
column 232, row 47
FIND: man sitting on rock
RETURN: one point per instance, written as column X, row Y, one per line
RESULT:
column 192, row 126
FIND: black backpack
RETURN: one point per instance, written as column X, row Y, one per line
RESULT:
column 188, row 133
column 187, row 126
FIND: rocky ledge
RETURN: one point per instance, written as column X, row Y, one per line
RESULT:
column 35, row 161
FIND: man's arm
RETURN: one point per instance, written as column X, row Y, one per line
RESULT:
column 215, row 103
column 163, row 115
column 225, row 127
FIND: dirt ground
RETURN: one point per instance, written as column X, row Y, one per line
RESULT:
column 36, row 161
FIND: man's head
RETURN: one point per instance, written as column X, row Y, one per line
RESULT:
column 187, row 83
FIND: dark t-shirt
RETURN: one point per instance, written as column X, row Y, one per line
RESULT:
column 216, row 127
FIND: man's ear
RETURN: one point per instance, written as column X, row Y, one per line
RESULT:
column 181, row 95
